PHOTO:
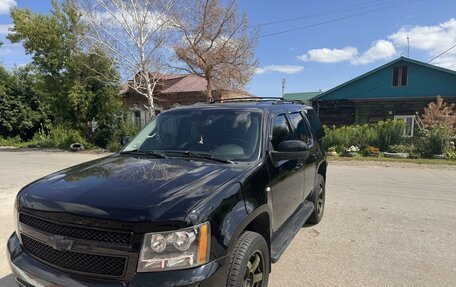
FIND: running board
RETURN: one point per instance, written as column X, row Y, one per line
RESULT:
column 288, row 231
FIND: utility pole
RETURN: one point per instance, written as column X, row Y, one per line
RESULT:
column 283, row 87
column 408, row 46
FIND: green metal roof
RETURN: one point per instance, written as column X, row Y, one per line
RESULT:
column 360, row 87
column 307, row 96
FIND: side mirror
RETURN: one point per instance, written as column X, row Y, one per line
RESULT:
column 292, row 146
column 125, row 140
column 289, row 150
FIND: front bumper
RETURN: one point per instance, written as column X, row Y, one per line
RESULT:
column 31, row 272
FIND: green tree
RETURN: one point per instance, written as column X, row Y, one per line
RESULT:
column 22, row 112
column 74, row 89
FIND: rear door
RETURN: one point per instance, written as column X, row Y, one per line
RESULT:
column 302, row 132
column 286, row 176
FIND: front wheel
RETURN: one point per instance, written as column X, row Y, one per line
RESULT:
column 318, row 199
column 249, row 265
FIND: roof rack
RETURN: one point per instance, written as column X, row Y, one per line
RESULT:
column 245, row 99
column 257, row 99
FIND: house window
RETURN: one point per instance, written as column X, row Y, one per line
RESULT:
column 400, row 76
column 409, row 124
column 137, row 118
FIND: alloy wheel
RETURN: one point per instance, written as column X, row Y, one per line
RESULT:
column 253, row 276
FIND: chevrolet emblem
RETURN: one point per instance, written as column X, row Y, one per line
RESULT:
column 59, row 242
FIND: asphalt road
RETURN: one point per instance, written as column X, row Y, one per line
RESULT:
column 384, row 224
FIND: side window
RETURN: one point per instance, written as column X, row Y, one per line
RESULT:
column 300, row 127
column 280, row 131
column 315, row 124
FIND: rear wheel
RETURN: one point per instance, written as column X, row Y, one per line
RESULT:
column 318, row 199
column 249, row 265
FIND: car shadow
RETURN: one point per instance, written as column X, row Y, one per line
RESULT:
column 8, row 281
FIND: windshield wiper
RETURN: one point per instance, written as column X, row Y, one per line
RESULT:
column 150, row 152
column 201, row 155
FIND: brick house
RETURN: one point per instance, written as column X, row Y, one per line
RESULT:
column 171, row 91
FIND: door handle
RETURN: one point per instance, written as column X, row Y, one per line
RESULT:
column 299, row 166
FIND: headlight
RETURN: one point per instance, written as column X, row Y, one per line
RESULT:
column 172, row 250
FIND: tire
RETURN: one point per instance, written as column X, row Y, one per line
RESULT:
column 244, row 268
column 318, row 199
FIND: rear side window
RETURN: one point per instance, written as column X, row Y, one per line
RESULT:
column 300, row 127
column 280, row 131
column 315, row 124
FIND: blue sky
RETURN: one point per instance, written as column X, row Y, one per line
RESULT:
column 343, row 39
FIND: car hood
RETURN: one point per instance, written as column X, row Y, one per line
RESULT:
column 128, row 188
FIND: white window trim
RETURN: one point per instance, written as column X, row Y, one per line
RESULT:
column 405, row 117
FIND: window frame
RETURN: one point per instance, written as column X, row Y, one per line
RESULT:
column 287, row 121
column 405, row 117
column 400, row 72
column 307, row 126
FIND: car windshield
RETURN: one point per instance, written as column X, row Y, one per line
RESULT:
column 219, row 133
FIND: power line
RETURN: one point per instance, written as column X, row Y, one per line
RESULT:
column 340, row 18
column 361, row 6
column 441, row 54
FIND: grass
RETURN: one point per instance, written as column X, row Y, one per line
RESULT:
column 14, row 142
column 398, row 160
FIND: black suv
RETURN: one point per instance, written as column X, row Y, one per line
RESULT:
column 204, row 195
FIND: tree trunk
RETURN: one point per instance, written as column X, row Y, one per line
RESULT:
column 209, row 89
column 150, row 96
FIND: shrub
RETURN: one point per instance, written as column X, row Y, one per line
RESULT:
column 390, row 133
column 439, row 113
column 332, row 149
column 14, row 141
column 113, row 146
column 451, row 155
column 372, row 151
column 365, row 136
column 398, row 148
column 382, row 135
column 436, row 139
column 338, row 137
column 58, row 137
column 110, row 131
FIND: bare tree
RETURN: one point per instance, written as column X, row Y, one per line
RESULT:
column 216, row 43
column 136, row 34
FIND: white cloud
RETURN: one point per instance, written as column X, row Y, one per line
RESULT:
column 381, row 49
column 286, row 69
column 4, row 28
column 6, row 5
column 431, row 39
column 326, row 55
